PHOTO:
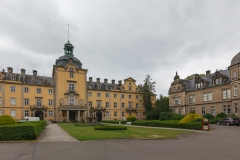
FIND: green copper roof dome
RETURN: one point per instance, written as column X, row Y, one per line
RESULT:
column 68, row 57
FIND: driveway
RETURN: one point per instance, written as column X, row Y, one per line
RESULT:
column 222, row 143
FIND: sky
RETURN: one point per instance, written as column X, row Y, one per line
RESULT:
column 121, row 38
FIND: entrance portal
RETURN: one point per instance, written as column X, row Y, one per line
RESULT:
column 39, row 114
column 99, row 116
column 72, row 116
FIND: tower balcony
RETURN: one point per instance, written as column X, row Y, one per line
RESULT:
column 131, row 109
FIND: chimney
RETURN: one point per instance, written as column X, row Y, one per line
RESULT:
column 10, row 69
column 105, row 80
column 113, row 81
column 90, row 79
column 120, row 82
column 35, row 72
column 98, row 79
column 23, row 71
column 208, row 72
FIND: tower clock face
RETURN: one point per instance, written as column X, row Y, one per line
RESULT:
column 61, row 101
column 81, row 102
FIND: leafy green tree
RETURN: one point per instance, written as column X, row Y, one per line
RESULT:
column 192, row 76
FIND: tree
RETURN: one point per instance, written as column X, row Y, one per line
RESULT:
column 148, row 90
column 192, row 76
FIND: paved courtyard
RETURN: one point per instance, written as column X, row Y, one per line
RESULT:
column 222, row 143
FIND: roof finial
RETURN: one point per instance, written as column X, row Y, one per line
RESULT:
column 68, row 32
column 176, row 72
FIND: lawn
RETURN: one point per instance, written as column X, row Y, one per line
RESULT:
column 84, row 133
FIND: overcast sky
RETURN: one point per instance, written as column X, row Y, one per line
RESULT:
column 117, row 39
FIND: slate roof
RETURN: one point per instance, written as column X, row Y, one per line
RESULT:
column 64, row 60
column 104, row 86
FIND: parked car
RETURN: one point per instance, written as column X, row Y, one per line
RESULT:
column 229, row 121
column 26, row 119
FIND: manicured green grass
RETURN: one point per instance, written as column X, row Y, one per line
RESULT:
column 88, row 133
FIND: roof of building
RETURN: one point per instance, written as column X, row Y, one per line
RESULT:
column 235, row 59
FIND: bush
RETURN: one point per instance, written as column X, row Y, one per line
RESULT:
column 198, row 120
column 131, row 118
column 214, row 120
column 177, row 116
column 165, row 116
column 22, row 131
column 169, row 124
column 113, row 121
column 110, row 128
column 221, row 115
column 6, row 120
column 208, row 116
column 190, row 118
column 153, row 114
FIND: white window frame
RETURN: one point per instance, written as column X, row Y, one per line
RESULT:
column 39, row 90
column 130, row 96
column 123, row 114
column 115, row 113
column 234, row 74
column 39, row 102
column 71, row 101
column 122, row 95
column 107, row 114
column 224, row 94
column 98, row 94
column 235, row 90
column 123, row 105
column 13, row 113
column 50, row 91
column 107, row 95
column 26, row 89
column 50, row 102
column 50, row 113
column 115, row 104
column 137, row 105
column 176, row 101
column 71, row 74
column 115, row 95
column 12, row 89
column 130, row 105
column 26, row 101
column 210, row 97
column 89, row 94
column 107, row 104
column 12, row 101
column 205, row 96
column 99, row 104
column 26, row 113
column 129, row 88
column 90, row 103
column 13, row 78
column 228, row 93
column 71, row 87
column 213, row 111
column 203, row 110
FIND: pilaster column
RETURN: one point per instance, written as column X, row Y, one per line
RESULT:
column 60, row 116
column 67, row 116
column 79, row 116
column 85, row 115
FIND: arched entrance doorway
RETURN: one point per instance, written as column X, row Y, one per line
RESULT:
column 39, row 114
column 72, row 116
column 99, row 116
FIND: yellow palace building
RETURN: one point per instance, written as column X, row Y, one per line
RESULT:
column 68, row 95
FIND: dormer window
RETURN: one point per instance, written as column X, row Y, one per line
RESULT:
column 38, row 81
column 174, row 89
column 178, row 88
column 13, row 78
column 218, row 81
column 199, row 85
column 71, row 69
column 98, row 86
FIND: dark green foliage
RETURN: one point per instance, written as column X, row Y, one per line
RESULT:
column 214, row 120
column 22, row 131
column 131, row 118
column 169, row 124
column 177, row 116
column 153, row 114
column 6, row 120
column 87, row 124
column 198, row 120
column 113, row 121
column 208, row 116
column 110, row 128
column 165, row 116
column 221, row 115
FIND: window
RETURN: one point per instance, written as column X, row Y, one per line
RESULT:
column 123, row 105
column 130, row 113
column 115, row 114
column 71, row 87
column 229, row 93
column 176, row 101
column 212, row 110
column 115, row 95
column 107, row 104
column 90, row 103
column 12, row 101
column 235, row 91
column 26, row 101
column 192, row 99
column 89, row 94
column 0, row 100
column 178, row 88
column 123, row 114
column 130, row 96
column 50, row 91
column 137, row 106
column 71, row 101
column 205, row 97
column 234, row 74
column 203, row 111
column 209, row 96
column 235, row 108
column 26, row 89
column 130, row 105
column 107, row 114
column 13, row 78
column 71, row 74
column 99, row 104
column 50, row 113
column 107, row 95
column 0, row 112
column 137, row 96
column 179, row 110
column 12, row 88
column 122, row 95
column 174, row 89
column 115, row 104
column 50, row 102
column 199, row 85
column 226, row 109
column 98, row 94
column 71, row 69
column 13, row 113
column 224, row 94
column 39, row 90
column 39, row 81
column 130, row 88
column 192, row 110
column 26, row 113
column 39, row 103
column 98, row 86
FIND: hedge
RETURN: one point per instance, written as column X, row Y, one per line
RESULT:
column 6, row 120
column 169, row 124
column 110, row 128
column 22, row 131
column 113, row 121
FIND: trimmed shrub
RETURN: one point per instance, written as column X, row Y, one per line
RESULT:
column 110, row 128
column 113, row 121
column 169, row 124
column 165, row 116
column 131, row 118
column 208, row 116
column 177, row 116
column 198, row 120
column 214, row 120
column 190, row 118
column 221, row 115
column 6, row 120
